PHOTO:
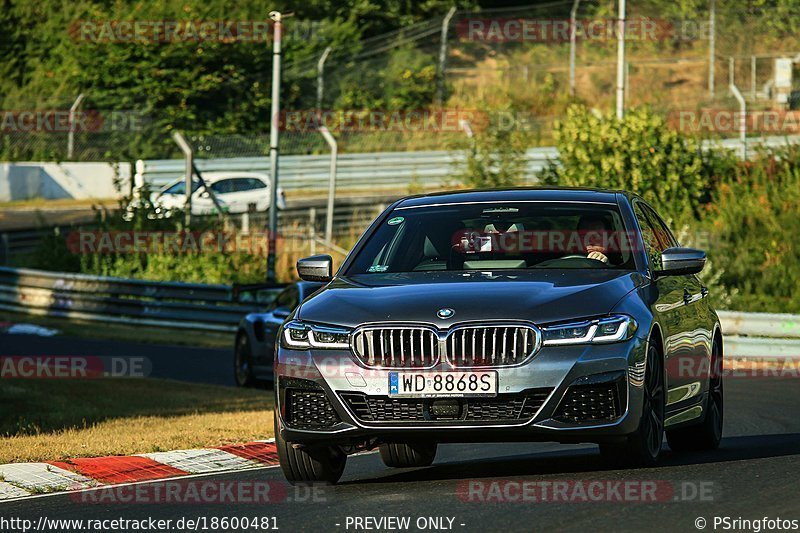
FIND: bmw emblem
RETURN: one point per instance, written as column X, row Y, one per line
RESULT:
column 445, row 313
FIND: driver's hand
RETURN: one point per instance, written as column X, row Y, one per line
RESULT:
column 597, row 253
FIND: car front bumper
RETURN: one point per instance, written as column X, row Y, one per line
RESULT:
column 556, row 376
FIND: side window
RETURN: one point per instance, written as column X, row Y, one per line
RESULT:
column 287, row 299
column 255, row 183
column 663, row 234
column 222, row 186
column 652, row 244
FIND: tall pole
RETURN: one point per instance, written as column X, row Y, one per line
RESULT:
column 273, row 144
column 712, row 34
column 742, row 118
column 188, row 155
column 321, row 77
column 331, row 182
column 753, row 68
column 731, row 70
column 71, row 133
column 572, row 43
column 621, row 60
column 443, row 56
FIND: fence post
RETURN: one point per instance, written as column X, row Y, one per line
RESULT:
column 331, row 181
column 572, row 38
column 731, row 70
column 312, row 230
column 443, row 56
column 321, row 77
column 188, row 153
column 6, row 253
column 621, row 60
column 712, row 20
column 743, row 119
column 71, row 134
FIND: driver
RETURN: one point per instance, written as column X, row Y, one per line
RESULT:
column 591, row 229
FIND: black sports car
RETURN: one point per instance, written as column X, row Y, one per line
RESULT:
column 522, row 315
column 256, row 336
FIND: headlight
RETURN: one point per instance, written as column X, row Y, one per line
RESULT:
column 300, row 335
column 612, row 328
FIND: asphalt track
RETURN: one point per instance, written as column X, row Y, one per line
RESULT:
column 183, row 363
column 754, row 474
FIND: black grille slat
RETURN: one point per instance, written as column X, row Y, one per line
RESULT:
column 309, row 409
column 508, row 408
column 590, row 403
column 490, row 346
column 389, row 347
column 464, row 346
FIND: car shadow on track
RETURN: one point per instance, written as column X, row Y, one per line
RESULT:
column 579, row 461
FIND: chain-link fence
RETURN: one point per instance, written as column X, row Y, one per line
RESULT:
column 430, row 84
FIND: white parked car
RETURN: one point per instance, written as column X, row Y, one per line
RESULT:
column 235, row 191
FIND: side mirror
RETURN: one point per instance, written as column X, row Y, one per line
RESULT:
column 681, row 261
column 281, row 312
column 316, row 268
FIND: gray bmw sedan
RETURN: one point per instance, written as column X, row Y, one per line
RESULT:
column 566, row 315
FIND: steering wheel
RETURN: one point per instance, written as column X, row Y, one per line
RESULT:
column 573, row 259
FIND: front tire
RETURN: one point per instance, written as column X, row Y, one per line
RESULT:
column 398, row 455
column 708, row 434
column 322, row 464
column 643, row 448
column 243, row 362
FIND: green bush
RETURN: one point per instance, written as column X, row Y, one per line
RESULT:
column 495, row 158
column 638, row 153
column 754, row 223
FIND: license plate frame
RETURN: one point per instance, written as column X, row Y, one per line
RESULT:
column 424, row 384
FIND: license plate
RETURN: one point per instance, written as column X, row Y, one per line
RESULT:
column 442, row 384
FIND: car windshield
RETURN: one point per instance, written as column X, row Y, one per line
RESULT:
column 495, row 236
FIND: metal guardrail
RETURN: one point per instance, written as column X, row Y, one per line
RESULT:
column 773, row 325
column 368, row 171
column 220, row 307
column 118, row 300
column 379, row 170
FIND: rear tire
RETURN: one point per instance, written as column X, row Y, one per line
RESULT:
column 322, row 464
column 707, row 434
column 643, row 448
column 399, row 455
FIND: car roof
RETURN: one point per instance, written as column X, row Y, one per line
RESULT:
column 220, row 175
column 520, row 194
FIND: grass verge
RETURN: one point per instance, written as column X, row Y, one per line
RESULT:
column 44, row 420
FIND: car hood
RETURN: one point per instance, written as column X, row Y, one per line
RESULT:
column 540, row 297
